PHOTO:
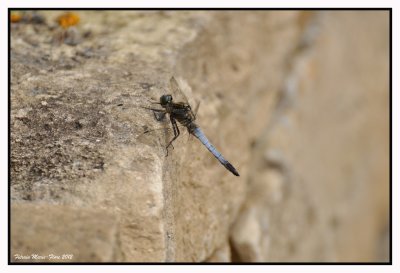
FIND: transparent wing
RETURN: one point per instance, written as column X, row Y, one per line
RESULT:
column 179, row 96
column 163, row 130
column 177, row 93
column 157, row 136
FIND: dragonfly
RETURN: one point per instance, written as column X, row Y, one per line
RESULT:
column 182, row 113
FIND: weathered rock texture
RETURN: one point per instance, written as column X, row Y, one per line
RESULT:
column 298, row 101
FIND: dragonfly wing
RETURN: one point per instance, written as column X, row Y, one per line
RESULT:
column 159, row 131
column 177, row 93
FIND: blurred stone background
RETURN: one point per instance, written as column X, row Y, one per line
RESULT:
column 297, row 101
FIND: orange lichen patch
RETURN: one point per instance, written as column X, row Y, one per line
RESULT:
column 15, row 17
column 68, row 19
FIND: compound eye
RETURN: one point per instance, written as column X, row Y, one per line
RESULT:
column 165, row 99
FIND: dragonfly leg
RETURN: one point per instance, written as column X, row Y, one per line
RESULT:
column 176, row 133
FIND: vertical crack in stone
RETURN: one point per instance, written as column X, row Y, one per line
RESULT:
column 168, row 215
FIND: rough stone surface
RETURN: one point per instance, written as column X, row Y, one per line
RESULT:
column 57, row 233
column 295, row 100
column 319, row 184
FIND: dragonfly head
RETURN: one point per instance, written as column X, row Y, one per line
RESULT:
column 165, row 99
